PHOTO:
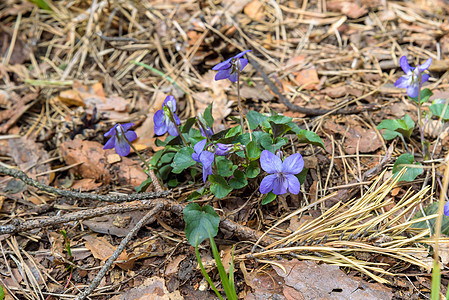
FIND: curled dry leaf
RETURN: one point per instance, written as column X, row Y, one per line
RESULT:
column 222, row 107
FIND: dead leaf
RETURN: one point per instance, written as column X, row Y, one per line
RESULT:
column 349, row 8
column 152, row 289
column 233, row 7
column 173, row 266
column 108, row 224
column 221, row 107
column 101, row 249
column 255, row 10
column 366, row 140
column 10, row 116
column 94, row 164
column 324, row 281
column 85, row 184
column 21, row 51
column 259, row 93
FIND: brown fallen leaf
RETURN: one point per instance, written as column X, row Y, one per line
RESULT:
column 324, row 281
column 366, row 140
column 101, row 249
column 349, row 8
column 152, row 289
column 108, row 224
column 93, row 163
column 255, row 10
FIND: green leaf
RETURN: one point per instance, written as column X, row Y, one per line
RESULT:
column 234, row 131
column 309, row 137
column 187, row 125
column 267, row 143
column 278, row 119
column 268, row 198
column 219, row 187
column 253, row 151
column 208, row 116
column 403, row 126
column 279, row 129
column 183, row 160
column 252, row 170
column 225, row 167
column 199, row 222
column 255, row 119
column 302, row 176
column 173, row 182
column 196, row 194
column 431, row 209
column 2, row 293
column 425, row 95
column 389, row 134
column 42, row 5
column 238, row 180
column 437, row 108
column 411, row 173
column 144, row 185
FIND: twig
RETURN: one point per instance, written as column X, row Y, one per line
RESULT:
column 309, row 111
column 77, row 195
column 76, row 216
column 118, row 251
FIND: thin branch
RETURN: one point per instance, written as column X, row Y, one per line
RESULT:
column 77, row 195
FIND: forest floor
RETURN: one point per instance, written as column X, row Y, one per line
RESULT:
column 72, row 69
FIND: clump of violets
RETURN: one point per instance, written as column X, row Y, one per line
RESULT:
column 206, row 158
column 165, row 119
column 281, row 173
column 230, row 68
column 411, row 80
column 121, row 136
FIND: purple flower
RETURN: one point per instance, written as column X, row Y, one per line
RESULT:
column 206, row 158
column 282, row 173
column 209, row 132
column 120, row 136
column 162, row 118
column 230, row 68
column 223, row 149
column 446, row 209
column 410, row 80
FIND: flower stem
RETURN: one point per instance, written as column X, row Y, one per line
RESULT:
column 239, row 103
column 138, row 153
column 172, row 118
column 420, row 125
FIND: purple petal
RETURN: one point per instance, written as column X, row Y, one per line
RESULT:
column 170, row 101
column 267, row 184
column 131, row 136
column 160, row 128
column 280, row 185
column 198, row 148
column 424, row 77
column 270, row 163
column 403, row 82
column 413, row 91
column 425, row 65
column 127, row 126
column 293, row 184
column 241, row 54
column 293, row 164
column 207, row 158
column 223, row 149
column 223, row 74
column 403, row 62
column 122, row 148
column 233, row 77
column 110, row 143
column 177, row 120
column 206, row 172
column 243, row 63
column 171, row 127
column 223, row 65
column 446, row 209
column 158, row 117
column 111, row 131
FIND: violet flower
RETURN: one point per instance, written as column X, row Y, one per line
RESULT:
column 223, row 149
column 206, row 158
column 121, row 136
column 410, row 80
column 282, row 173
column 230, row 68
column 163, row 120
column 446, row 209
